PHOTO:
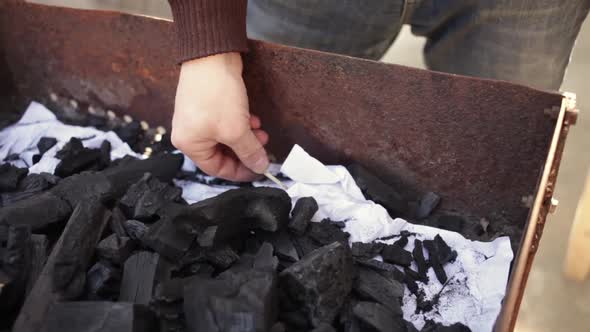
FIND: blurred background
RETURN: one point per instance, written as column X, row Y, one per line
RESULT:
column 551, row 302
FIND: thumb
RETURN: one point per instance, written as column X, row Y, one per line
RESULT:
column 250, row 152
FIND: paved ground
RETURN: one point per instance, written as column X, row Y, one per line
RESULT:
column 551, row 303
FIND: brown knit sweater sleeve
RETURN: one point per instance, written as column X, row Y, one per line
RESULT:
column 207, row 27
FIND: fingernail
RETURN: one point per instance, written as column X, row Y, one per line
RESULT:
column 260, row 165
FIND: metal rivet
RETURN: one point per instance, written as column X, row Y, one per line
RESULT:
column 73, row 103
column 144, row 125
column 147, row 152
column 91, row 110
column 553, row 205
column 111, row 115
column 158, row 137
column 127, row 118
column 53, row 97
column 161, row 130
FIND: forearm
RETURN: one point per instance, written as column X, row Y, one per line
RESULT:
column 208, row 27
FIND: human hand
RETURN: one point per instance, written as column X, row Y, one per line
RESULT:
column 212, row 124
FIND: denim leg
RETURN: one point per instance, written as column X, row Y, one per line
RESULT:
column 360, row 28
column 525, row 41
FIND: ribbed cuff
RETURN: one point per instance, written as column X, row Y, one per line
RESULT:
column 207, row 27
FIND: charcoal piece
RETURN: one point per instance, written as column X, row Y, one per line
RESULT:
column 414, row 275
column 376, row 317
column 103, row 282
column 402, row 242
column 366, row 250
column 303, row 211
column 10, row 176
column 45, row 143
column 105, row 154
column 278, row 327
column 380, row 192
column 28, row 187
column 15, row 267
column 304, row 245
column 451, row 223
column 410, row 327
column 410, row 282
column 444, row 252
column 117, row 222
column 428, row 203
column 139, row 276
column 115, row 249
column 203, row 270
column 325, row 232
column 324, row 327
column 79, row 240
column 167, row 240
column 135, row 229
column 396, row 255
column 99, row 316
column 418, row 255
column 244, row 301
column 370, row 285
column 36, row 158
column 260, row 208
column 339, row 224
column 37, row 211
column 320, row 282
column 295, row 319
column 73, row 146
column 130, row 133
column 38, row 258
column 12, row 157
column 75, row 158
column 431, row 326
column 222, row 257
column 148, row 195
column 433, row 259
column 283, row 245
column 170, row 290
column 422, row 304
column 348, row 322
column 385, row 269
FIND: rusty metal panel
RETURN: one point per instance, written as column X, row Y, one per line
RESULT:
column 481, row 144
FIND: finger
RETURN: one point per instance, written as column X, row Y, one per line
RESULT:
column 226, row 166
column 255, row 122
column 250, row 151
column 261, row 135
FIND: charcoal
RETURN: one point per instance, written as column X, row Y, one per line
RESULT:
column 115, row 249
column 402, row 242
column 278, row 327
column 99, row 316
column 15, row 267
column 366, row 250
column 296, row 319
column 251, row 208
column 222, row 257
column 376, row 317
column 434, row 261
column 105, row 154
column 339, row 224
column 347, row 320
column 38, row 258
column 418, row 254
column 324, row 327
column 410, row 281
column 320, row 282
column 423, row 305
column 413, row 274
column 325, row 232
column 12, row 157
column 395, row 254
column 117, row 222
column 10, row 176
column 303, row 211
column 380, row 192
column 444, row 252
column 170, row 290
column 451, row 223
column 36, row 158
column 28, row 187
column 431, row 326
column 46, row 143
column 130, row 133
column 304, row 245
column 428, row 203
column 144, row 198
column 370, row 285
column 139, row 276
column 76, row 161
column 135, row 229
column 245, row 301
column 167, row 240
column 204, row 270
column 103, row 282
column 167, row 304
column 385, row 269
column 73, row 146
column 283, row 245
column 79, row 240
column 410, row 327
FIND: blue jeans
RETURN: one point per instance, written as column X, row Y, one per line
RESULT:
column 525, row 41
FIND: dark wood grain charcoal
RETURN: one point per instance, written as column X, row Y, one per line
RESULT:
column 148, row 195
column 304, row 245
column 385, row 269
column 433, row 259
column 261, row 208
column 38, row 258
column 325, row 232
column 10, row 176
column 139, row 276
column 324, row 327
column 203, row 270
column 380, row 192
column 221, row 257
column 410, row 281
column 105, row 154
column 320, row 282
column 303, row 211
column 28, row 187
column 115, row 249
column 348, row 322
column 103, row 281
column 99, row 316
column 366, row 250
column 75, row 158
column 451, row 223
column 135, row 229
column 418, row 254
column 117, row 222
column 37, row 211
column 73, row 146
column 15, row 267
column 376, row 317
column 431, row 326
column 244, row 301
column 45, row 143
column 402, row 242
column 73, row 257
column 428, row 203
column 395, row 254
column 445, row 253
column 282, row 244
column 370, row 285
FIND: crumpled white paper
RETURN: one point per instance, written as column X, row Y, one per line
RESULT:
column 477, row 278
column 37, row 121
